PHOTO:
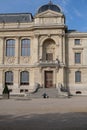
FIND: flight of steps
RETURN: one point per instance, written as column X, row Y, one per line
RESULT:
column 51, row 93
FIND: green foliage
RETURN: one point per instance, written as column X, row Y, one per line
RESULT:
column 5, row 90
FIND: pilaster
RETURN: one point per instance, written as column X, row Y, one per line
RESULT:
column 2, row 50
column 17, row 50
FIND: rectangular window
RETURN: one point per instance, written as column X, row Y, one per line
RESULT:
column 25, row 47
column 77, row 76
column 9, row 78
column 49, row 56
column 77, row 41
column 24, row 78
column 77, row 58
column 10, row 47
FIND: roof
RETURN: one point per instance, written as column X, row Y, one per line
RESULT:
column 49, row 6
column 16, row 17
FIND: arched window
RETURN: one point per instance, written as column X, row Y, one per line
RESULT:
column 77, row 76
column 9, row 78
column 10, row 47
column 25, row 47
column 24, row 78
column 49, row 50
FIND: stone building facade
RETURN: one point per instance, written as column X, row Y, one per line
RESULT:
column 40, row 50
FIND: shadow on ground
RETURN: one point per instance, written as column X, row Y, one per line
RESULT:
column 66, row 121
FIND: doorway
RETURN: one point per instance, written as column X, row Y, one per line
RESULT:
column 48, row 79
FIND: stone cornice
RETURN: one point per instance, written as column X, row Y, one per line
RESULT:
column 33, row 27
column 76, row 34
column 18, row 66
column 77, row 67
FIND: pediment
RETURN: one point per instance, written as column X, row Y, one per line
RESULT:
column 49, row 13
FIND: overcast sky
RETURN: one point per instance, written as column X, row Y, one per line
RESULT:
column 74, row 10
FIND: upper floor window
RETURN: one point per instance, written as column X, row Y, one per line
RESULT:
column 49, row 56
column 10, row 47
column 9, row 78
column 77, row 41
column 24, row 78
column 77, row 76
column 25, row 47
column 77, row 58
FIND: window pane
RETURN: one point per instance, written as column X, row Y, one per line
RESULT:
column 77, row 41
column 9, row 78
column 78, row 76
column 77, row 58
column 25, row 47
column 49, row 56
column 10, row 47
column 24, row 78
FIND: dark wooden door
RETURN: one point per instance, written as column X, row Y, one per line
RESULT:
column 48, row 79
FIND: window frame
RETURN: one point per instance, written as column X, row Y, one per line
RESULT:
column 77, row 41
column 22, row 79
column 25, row 49
column 49, row 56
column 10, row 47
column 78, row 77
column 77, row 57
column 9, row 76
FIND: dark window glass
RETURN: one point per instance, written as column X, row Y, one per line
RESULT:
column 10, row 47
column 9, row 78
column 77, row 41
column 77, row 76
column 49, row 56
column 25, row 47
column 24, row 78
column 78, row 58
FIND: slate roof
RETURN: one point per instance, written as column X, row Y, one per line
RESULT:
column 16, row 17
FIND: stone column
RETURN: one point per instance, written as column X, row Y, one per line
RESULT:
column 2, row 80
column 61, row 75
column 16, row 80
column 2, row 50
column 40, row 52
column 61, row 48
column 63, row 41
column 17, row 50
column 35, row 46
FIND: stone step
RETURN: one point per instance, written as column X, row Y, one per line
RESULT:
column 50, row 92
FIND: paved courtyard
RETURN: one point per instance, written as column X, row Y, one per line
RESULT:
column 43, row 114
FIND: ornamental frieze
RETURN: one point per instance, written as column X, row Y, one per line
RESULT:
column 11, row 60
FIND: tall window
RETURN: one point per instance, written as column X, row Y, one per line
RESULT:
column 77, row 58
column 77, row 76
column 77, row 41
column 9, row 78
column 24, row 78
column 25, row 47
column 10, row 47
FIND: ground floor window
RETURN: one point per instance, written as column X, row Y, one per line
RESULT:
column 77, row 76
column 24, row 78
column 9, row 78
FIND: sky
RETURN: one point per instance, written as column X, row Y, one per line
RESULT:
column 75, row 11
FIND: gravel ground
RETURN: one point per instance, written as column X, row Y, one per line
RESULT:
column 43, row 114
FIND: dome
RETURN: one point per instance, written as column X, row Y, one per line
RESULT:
column 49, row 6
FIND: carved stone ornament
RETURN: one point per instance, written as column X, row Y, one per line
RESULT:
column 10, row 60
column 26, row 59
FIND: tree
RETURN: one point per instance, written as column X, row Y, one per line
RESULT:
column 6, row 92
